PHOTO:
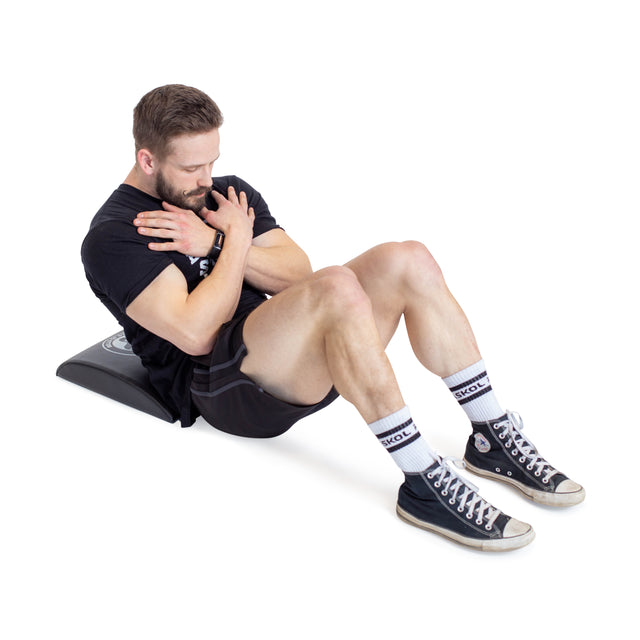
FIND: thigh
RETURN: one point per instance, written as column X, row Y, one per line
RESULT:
column 285, row 346
column 284, row 336
column 232, row 402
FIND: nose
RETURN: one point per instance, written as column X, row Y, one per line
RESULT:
column 204, row 178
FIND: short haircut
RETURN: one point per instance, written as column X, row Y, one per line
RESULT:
column 170, row 111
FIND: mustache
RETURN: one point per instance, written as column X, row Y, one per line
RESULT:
column 195, row 192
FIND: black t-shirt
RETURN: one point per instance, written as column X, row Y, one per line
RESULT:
column 119, row 266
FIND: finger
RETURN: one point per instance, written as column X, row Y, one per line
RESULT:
column 172, row 207
column 159, row 233
column 163, row 246
column 232, row 195
column 160, row 213
column 218, row 197
column 151, row 214
column 156, row 223
column 243, row 200
column 251, row 213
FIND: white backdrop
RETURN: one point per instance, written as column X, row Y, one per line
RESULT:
column 505, row 136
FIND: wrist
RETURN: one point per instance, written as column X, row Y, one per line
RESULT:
column 216, row 247
column 238, row 238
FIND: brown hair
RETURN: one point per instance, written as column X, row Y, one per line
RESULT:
column 170, row 111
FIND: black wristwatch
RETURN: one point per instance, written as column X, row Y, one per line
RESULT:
column 217, row 245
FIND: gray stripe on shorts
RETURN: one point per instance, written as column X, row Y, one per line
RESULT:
column 242, row 351
column 226, row 387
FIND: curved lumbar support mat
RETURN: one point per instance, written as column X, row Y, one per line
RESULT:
column 111, row 369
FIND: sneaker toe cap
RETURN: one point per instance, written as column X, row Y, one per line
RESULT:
column 515, row 528
column 568, row 486
column 571, row 491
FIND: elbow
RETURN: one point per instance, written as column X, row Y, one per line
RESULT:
column 196, row 344
column 196, row 349
column 298, row 272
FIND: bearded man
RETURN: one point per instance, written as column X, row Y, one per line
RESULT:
column 224, row 310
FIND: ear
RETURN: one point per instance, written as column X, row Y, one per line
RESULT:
column 146, row 161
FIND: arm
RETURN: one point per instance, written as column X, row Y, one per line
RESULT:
column 191, row 320
column 274, row 262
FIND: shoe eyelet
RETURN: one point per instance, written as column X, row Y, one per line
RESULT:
column 478, row 522
column 509, row 473
column 523, row 459
column 444, row 493
column 514, row 452
column 452, row 501
column 469, row 516
column 545, row 480
column 530, row 467
column 430, row 476
column 497, row 469
column 460, row 509
column 437, row 484
column 538, row 474
column 487, row 527
column 501, row 436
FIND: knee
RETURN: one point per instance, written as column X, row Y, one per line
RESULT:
column 412, row 264
column 337, row 293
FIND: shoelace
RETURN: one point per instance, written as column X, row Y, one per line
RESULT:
column 468, row 498
column 512, row 429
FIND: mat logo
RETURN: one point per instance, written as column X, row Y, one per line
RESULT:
column 118, row 344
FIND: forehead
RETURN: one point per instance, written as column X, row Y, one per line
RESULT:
column 195, row 149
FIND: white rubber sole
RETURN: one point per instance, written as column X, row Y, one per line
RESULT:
column 525, row 534
column 568, row 499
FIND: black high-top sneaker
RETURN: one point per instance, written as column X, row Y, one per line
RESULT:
column 498, row 450
column 439, row 500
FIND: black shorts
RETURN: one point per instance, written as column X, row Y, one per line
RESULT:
column 232, row 402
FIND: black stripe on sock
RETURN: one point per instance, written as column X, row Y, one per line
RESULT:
column 468, row 382
column 475, row 396
column 413, row 438
column 386, row 434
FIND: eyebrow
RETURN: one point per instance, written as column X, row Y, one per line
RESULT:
column 195, row 166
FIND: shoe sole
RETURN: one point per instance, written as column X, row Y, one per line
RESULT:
column 499, row 544
column 541, row 497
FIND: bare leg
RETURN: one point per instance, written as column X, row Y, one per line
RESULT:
column 320, row 333
column 332, row 330
column 403, row 278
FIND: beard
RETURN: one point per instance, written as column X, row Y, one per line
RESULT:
column 189, row 200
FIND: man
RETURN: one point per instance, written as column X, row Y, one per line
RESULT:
column 184, row 263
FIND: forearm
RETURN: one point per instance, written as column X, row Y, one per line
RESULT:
column 214, row 301
column 191, row 320
column 273, row 269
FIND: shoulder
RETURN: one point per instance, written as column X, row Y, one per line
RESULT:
column 124, row 204
column 114, row 219
column 113, row 248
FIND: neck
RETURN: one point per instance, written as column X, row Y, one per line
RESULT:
column 139, row 180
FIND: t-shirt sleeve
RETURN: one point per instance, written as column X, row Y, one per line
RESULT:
column 118, row 263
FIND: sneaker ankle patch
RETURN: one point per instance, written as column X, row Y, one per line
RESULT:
column 481, row 443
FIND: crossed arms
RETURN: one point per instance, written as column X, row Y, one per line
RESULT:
column 271, row 262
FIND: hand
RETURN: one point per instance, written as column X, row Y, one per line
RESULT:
column 188, row 233
column 234, row 217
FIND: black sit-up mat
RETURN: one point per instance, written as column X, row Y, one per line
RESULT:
column 112, row 369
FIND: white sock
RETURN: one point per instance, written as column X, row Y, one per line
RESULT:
column 400, row 437
column 472, row 389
